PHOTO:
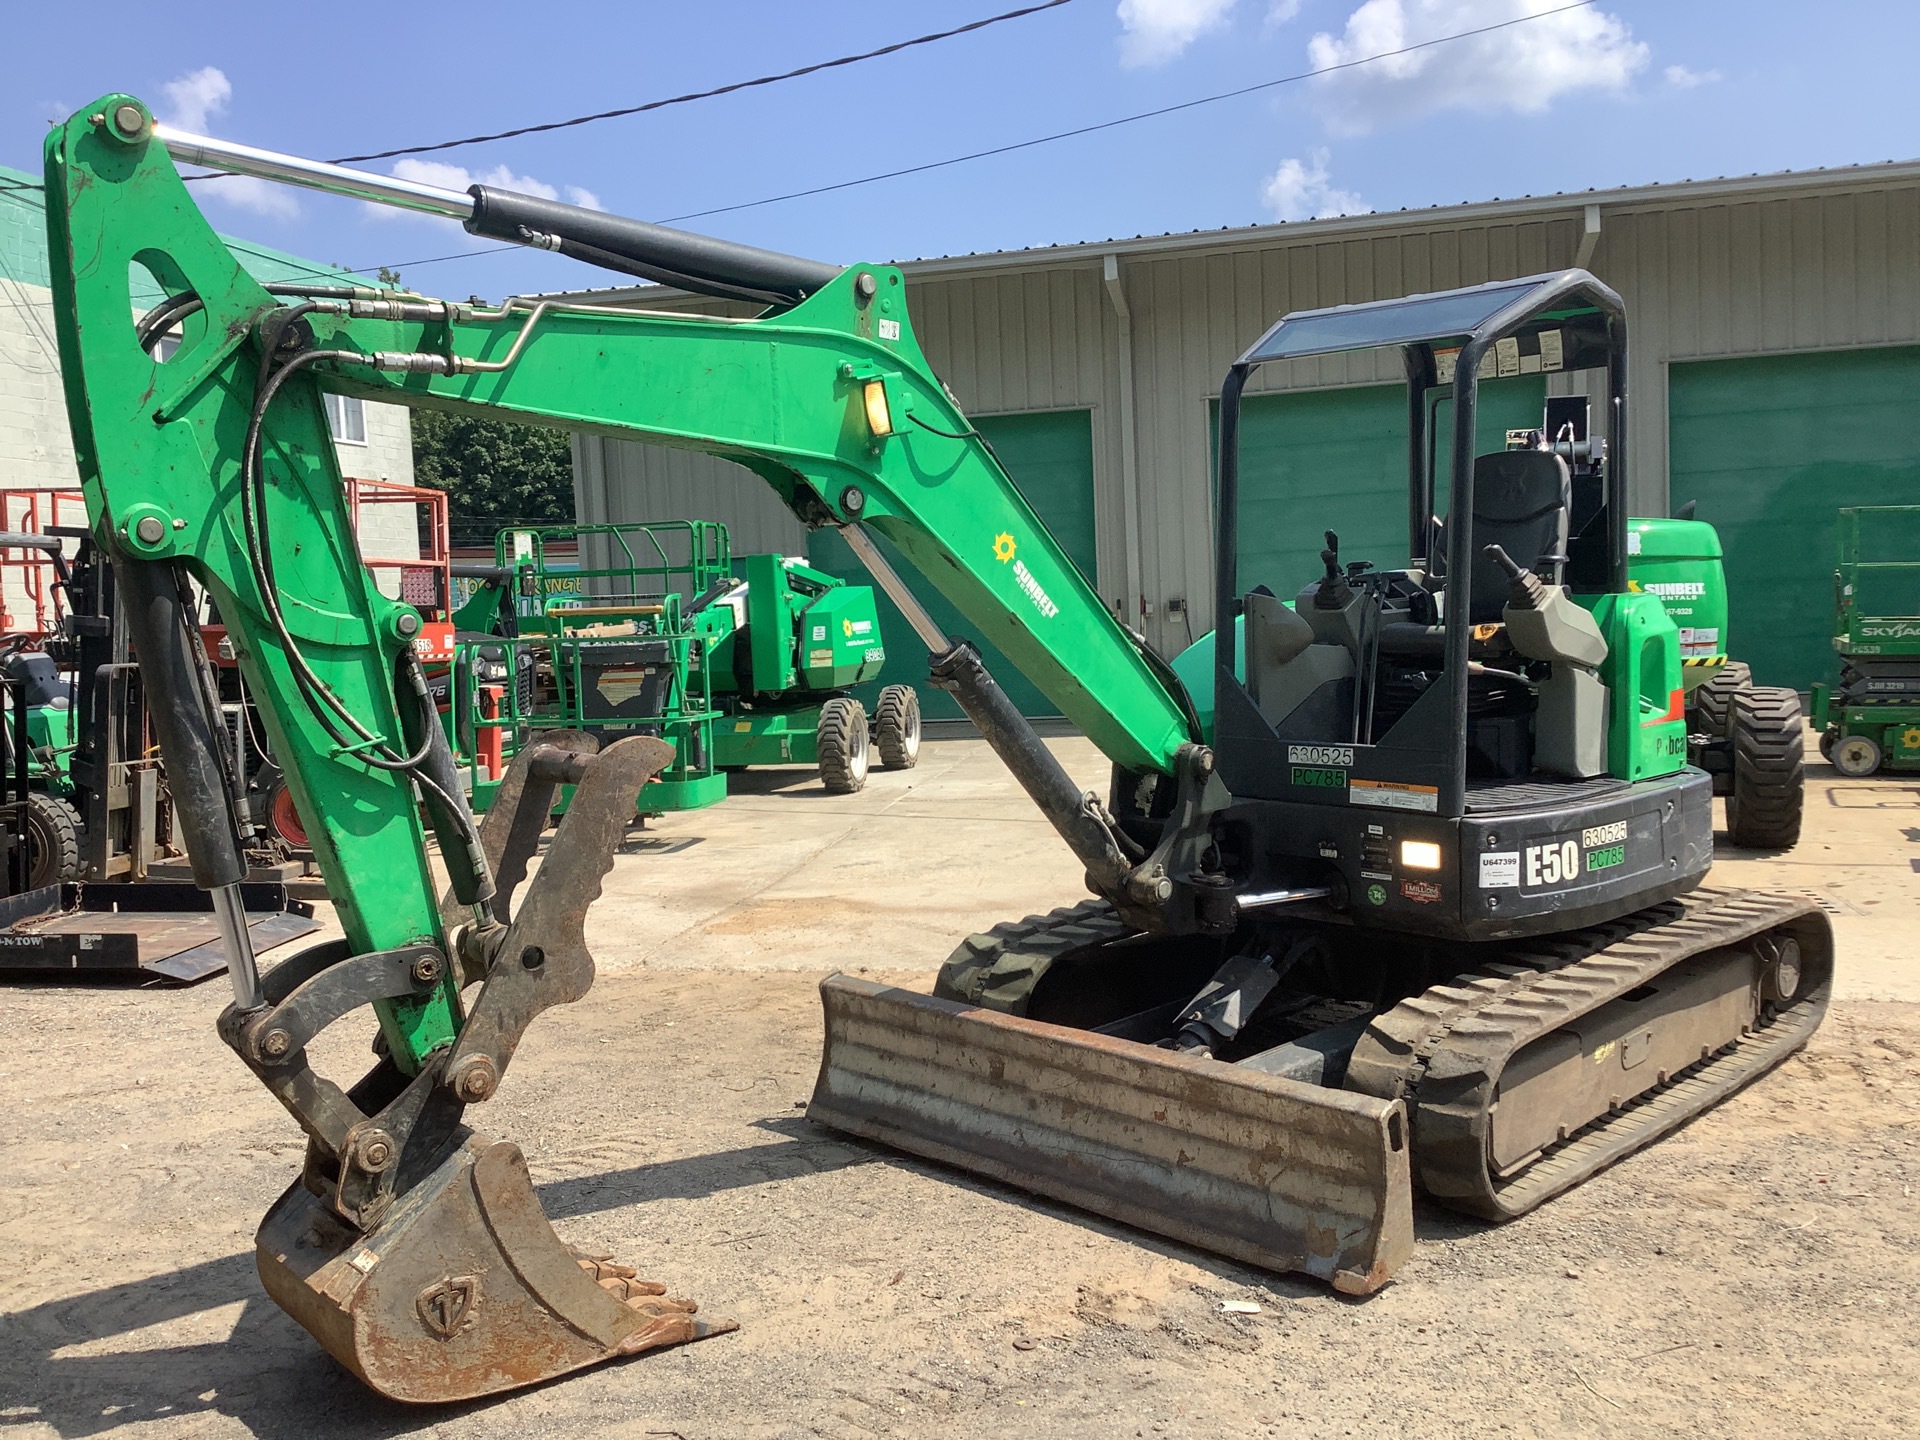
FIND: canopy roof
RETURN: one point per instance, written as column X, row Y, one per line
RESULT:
column 1411, row 319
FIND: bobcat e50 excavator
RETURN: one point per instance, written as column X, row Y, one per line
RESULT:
column 1422, row 907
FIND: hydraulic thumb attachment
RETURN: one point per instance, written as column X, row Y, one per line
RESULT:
column 413, row 1247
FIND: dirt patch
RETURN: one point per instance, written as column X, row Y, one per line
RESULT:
column 1750, row 1274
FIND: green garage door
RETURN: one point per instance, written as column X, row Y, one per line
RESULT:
column 1318, row 460
column 1050, row 457
column 1771, row 449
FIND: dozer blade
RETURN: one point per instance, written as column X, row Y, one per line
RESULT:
column 1269, row 1171
column 463, row 1289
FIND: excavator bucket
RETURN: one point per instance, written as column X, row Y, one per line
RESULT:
column 416, row 1250
column 1270, row 1171
column 463, row 1290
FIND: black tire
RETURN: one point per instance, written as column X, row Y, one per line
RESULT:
column 1827, row 739
column 896, row 727
column 1769, row 790
column 1713, row 702
column 53, row 841
column 844, row 751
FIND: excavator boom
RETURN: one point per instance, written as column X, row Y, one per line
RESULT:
column 412, row 1246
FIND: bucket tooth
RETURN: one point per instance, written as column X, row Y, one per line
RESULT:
column 462, row 1289
column 1276, row 1173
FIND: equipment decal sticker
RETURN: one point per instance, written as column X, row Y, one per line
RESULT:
column 1500, row 870
column 1554, row 863
column 1376, row 894
column 1421, row 892
column 1391, row 795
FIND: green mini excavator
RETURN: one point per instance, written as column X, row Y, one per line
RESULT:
column 1420, row 906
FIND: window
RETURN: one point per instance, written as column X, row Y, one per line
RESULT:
column 347, row 419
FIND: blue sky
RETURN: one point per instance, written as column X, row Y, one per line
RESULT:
column 1622, row 92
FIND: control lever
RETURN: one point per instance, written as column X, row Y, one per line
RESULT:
column 1525, row 591
column 1333, row 593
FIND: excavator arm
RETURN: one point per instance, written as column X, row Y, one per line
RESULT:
column 413, row 1246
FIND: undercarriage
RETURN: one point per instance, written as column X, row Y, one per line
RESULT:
column 1129, row 1075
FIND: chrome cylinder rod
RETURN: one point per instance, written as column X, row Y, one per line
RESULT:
column 230, row 913
column 1298, row 895
column 240, row 159
column 924, row 624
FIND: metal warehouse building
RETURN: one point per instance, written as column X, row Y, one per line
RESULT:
column 1775, row 326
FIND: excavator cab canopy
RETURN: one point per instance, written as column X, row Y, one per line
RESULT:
column 1556, row 500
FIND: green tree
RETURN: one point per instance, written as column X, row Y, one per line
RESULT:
column 496, row 473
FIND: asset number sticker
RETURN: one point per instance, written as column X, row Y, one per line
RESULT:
column 1315, row 778
column 1335, row 755
column 1500, row 870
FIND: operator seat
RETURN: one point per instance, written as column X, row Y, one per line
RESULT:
column 1521, row 502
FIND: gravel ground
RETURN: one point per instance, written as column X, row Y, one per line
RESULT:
column 1752, row 1274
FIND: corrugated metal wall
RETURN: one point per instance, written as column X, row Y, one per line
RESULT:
column 1760, row 272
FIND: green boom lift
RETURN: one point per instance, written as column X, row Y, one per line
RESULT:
column 658, row 630
column 1443, row 847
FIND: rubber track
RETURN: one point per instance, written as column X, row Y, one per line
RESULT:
column 1444, row 1049
column 998, row 967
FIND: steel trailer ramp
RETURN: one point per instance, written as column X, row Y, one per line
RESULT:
column 1272, row 1172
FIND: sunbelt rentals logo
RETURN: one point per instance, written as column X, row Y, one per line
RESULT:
column 1005, row 548
column 1670, row 589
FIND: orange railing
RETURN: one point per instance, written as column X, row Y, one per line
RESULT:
column 31, row 604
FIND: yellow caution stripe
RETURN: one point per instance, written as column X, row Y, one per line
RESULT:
column 1686, row 660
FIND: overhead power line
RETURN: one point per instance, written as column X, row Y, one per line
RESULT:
column 1130, row 119
column 1063, row 134
column 758, row 80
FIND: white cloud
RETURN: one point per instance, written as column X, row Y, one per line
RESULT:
column 1522, row 68
column 1279, row 12
column 192, row 100
column 262, row 197
column 195, row 98
column 458, row 177
column 1303, row 190
column 1153, row 32
column 1681, row 78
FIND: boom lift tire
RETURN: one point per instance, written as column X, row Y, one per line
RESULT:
column 1713, row 701
column 1856, row 757
column 844, row 751
column 1769, row 739
column 896, row 727
column 53, row 841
